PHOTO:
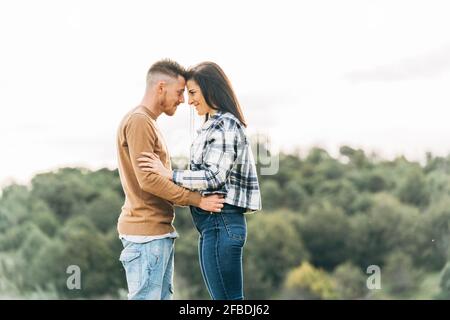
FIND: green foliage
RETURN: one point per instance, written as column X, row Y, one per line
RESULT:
column 295, row 196
column 273, row 247
column 307, row 282
column 350, row 281
column 399, row 273
column 271, row 194
column 413, row 190
column 46, row 221
column 339, row 192
column 183, row 218
column 356, row 158
column 64, row 191
column 104, row 210
column 340, row 214
column 388, row 226
column 13, row 206
column 445, row 283
column 436, row 233
column 325, row 230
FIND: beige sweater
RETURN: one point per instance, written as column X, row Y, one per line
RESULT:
column 149, row 198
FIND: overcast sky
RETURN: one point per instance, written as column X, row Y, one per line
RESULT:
column 371, row 74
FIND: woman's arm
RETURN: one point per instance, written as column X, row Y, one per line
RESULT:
column 220, row 155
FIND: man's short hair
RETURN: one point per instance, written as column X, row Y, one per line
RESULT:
column 165, row 67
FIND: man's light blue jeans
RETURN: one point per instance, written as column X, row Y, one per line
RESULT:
column 149, row 269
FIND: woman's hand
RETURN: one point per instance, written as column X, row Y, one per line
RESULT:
column 150, row 162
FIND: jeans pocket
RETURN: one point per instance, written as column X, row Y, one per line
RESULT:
column 130, row 259
column 236, row 227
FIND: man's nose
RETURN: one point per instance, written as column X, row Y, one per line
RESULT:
column 182, row 99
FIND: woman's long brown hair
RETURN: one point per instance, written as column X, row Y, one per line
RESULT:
column 216, row 89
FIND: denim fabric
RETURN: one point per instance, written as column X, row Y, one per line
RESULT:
column 149, row 269
column 221, row 241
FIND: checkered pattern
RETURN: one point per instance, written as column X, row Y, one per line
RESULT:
column 222, row 162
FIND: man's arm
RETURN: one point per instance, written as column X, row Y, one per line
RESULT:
column 141, row 136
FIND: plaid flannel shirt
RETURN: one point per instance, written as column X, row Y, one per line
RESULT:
column 222, row 162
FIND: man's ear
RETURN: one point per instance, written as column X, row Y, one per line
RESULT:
column 161, row 86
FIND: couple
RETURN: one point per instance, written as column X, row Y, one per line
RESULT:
column 220, row 185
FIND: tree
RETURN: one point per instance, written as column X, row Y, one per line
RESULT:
column 104, row 210
column 46, row 221
column 350, row 281
column 14, row 206
column 295, row 196
column 273, row 247
column 438, row 186
column 78, row 244
column 183, row 219
column 435, row 229
column 399, row 273
column 271, row 194
column 445, row 283
column 341, row 193
column 413, row 189
column 325, row 232
column 65, row 191
column 307, row 282
column 355, row 157
column 388, row 226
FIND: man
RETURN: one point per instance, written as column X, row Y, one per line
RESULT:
column 145, row 223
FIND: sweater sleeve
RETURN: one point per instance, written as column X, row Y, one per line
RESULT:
column 141, row 136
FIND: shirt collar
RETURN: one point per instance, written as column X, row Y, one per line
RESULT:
column 211, row 120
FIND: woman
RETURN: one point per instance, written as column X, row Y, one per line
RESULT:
column 221, row 162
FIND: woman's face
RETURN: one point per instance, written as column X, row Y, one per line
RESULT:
column 196, row 99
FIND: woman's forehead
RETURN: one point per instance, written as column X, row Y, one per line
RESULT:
column 191, row 84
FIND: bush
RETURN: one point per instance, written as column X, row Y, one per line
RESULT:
column 273, row 247
column 445, row 283
column 399, row 274
column 325, row 231
column 271, row 194
column 307, row 282
column 350, row 281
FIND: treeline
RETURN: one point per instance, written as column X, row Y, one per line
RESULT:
column 325, row 221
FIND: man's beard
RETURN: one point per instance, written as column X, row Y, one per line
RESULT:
column 171, row 111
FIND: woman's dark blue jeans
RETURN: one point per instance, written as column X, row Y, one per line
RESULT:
column 221, row 241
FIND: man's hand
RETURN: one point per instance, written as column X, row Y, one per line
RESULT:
column 212, row 203
column 150, row 162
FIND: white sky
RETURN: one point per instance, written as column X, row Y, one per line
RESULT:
column 371, row 74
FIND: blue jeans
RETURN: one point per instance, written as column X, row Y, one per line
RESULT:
column 149, row 269
column 220, row 247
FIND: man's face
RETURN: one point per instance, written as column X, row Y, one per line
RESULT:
column 173, row 96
